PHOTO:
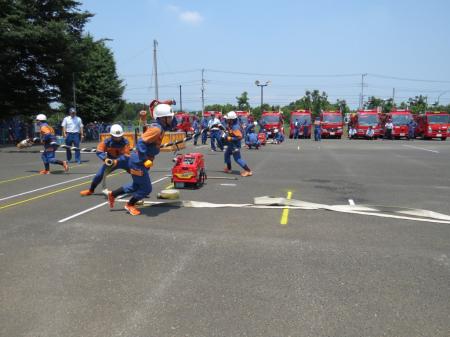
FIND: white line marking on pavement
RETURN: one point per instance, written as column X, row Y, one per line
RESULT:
column 46, row 187
column 351, row 202
column 227, row 184
column 420, row 148
column 83, row 212
column 100, row 205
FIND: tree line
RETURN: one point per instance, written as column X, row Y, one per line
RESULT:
column 48, row 63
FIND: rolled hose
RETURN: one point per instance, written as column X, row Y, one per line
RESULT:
column 169, row 194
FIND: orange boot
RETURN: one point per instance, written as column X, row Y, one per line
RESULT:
column 227, row 170
column 66, row 166
column 246, row 173
column 44, row 172
column 111, row 199
column 131, row 209
column 85, row 193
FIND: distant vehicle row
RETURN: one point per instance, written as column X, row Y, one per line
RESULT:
column 427, row 125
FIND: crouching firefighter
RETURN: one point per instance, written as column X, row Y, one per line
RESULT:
column 141, row 160
column 251, row 138
column 48, row 139
column 114, row 152
column 232, row 138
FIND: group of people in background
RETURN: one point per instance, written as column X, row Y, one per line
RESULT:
column 388, row 127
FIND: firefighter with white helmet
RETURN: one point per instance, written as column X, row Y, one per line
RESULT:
column 48, row 139
column 251, row 139
column 232, row 138
column 114, row 152
column 141, row 160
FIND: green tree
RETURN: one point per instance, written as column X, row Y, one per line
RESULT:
column 39, row 44
column 418, row 104
column 98, row 88
column 242, row 102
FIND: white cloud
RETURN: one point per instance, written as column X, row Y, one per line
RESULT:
column 191, row 17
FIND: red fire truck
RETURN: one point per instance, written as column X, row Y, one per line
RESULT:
column 303, row 117
column 271, row 120
column 400, row 119
column 332, row 124
column 208, row 114
column 363, row 119
column 433, row 124
column 244, row 117
column 184, row 122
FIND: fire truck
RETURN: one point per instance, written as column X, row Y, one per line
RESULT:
column 433, row 124
column 244, row 117
column 184, row 122
column 208, row 114
column 332, row 124
column 303, row 117
column 400, row 119
column 271, row 120
column 363, row 119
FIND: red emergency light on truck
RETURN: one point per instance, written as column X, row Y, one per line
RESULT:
column 433, row 124
column 363, row 119
column 332, row 124
column 303, row 117
column 271, row 120
column 400, row 119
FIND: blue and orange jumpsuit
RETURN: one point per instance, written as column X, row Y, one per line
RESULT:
column 48, row 139
column 147, row 148
column 119, row 151
column 233, row 142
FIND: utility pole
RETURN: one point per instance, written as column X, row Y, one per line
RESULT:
column 181, row 102
column 203, row 91
column 73, row 89
column 155, row 67
column 393, row 96
column 361, row 104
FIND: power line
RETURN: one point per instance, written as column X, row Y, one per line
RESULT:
column 279, row 75
column 406, row 79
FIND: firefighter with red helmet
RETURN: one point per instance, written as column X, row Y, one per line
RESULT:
column 48, row 139
column 114, row 152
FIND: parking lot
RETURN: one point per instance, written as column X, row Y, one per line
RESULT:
column 70, row 266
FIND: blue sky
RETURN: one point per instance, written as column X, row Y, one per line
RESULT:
column 297, row 45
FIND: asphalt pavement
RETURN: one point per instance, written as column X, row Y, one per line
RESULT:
column 70, row 266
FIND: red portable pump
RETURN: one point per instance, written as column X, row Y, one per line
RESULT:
column 189, row 170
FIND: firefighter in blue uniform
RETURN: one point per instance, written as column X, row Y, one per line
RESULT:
column 141, row 160
column 196, row 127
column 232, row 138
column 48, row 139
column 204, row 130
column 114, row 152
column 251, row 138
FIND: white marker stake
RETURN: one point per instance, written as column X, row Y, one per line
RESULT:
column 351, row 202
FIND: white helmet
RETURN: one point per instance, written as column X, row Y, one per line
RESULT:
column 255, row 123
column 163, row 110
column 116, row 130
column 41, row 118
column 276, row 130
column 231, row 115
